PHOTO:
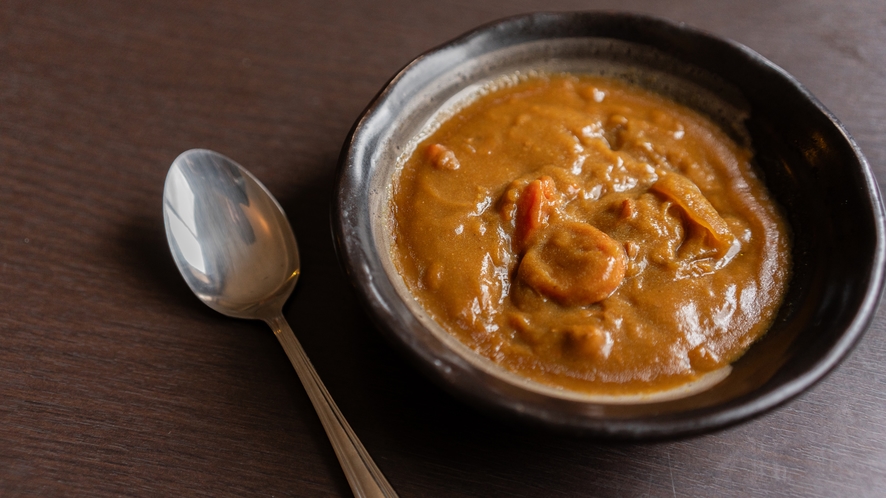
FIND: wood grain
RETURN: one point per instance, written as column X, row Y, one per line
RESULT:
column 115, row 380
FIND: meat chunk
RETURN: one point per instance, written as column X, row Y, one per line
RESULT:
column 698, row 209
column 442, row 157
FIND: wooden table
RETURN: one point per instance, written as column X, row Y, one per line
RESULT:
column 115, row 380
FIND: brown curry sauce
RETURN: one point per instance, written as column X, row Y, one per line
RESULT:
column 591, row 235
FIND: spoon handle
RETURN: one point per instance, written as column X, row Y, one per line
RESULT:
column 365, row 478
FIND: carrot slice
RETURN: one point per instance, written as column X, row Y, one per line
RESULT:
column 533, row 209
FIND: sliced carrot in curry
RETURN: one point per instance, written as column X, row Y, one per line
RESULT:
column 533, row 209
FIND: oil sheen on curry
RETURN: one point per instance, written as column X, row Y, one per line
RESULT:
column 590, row 235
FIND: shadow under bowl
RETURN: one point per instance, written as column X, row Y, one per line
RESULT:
column 808, row 160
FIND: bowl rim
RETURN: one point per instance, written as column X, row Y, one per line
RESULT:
column 351, row 226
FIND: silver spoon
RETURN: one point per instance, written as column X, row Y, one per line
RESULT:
column 236, row 250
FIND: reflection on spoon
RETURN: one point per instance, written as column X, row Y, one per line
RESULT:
column 236, row 250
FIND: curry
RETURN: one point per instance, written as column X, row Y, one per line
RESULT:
column 590, row 235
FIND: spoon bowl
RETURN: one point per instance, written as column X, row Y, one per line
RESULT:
column 235, row 249
column 229, row 236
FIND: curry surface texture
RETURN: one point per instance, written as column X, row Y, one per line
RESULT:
column 591, row 235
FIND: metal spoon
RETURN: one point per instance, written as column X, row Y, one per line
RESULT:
column 236, row 250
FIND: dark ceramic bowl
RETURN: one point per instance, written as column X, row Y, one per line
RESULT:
column 809, row 162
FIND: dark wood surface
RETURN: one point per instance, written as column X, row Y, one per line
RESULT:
column 115, row 380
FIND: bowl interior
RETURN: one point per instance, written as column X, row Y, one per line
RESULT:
column 809, row 163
